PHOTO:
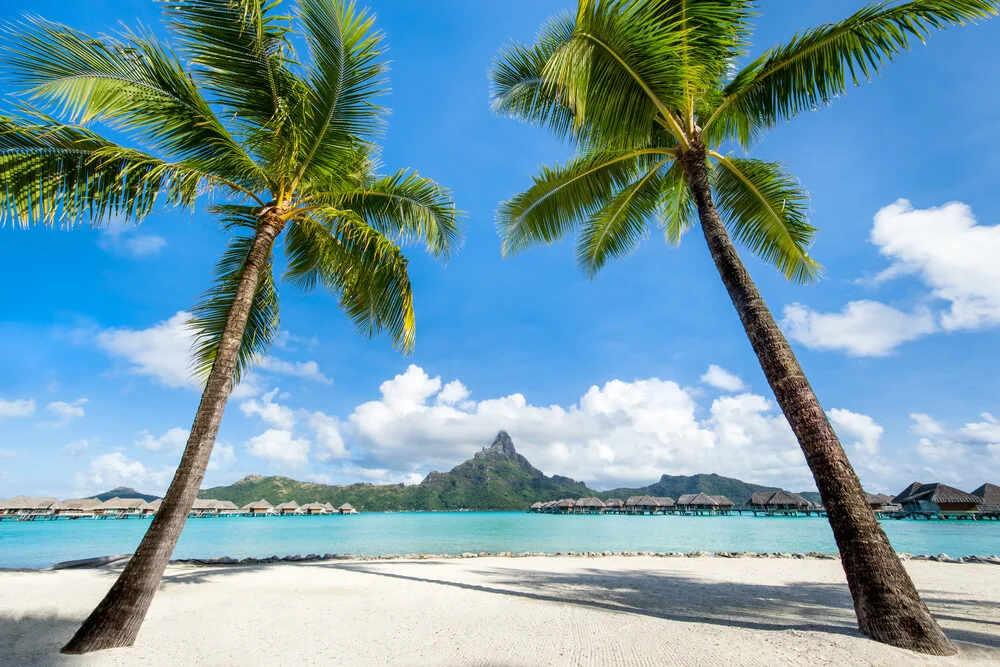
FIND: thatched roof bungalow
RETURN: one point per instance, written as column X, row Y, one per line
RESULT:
column 990, row 493
column 702, row 502
column 313, row 509
column 226, row 508
column 76, row 508
column 589, row 506
column 347, row 508
column 152, row 507
column 778, row 500
column 565, row 505
column 330, row 509
column 632, row 501
column 204, row 507
column 938, row 498
column 535, row 507
column 614, row 503
column 259, row 508
column 722, row 502
column 121, row 507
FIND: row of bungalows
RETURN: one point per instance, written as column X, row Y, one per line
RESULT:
column 205, row 508
column 291, row 508
column 21, row 508
column 693, row 503
column 940, row 501
column 781, row 503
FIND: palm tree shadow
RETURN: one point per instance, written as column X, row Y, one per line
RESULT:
column 35, row 640
column 801, row 606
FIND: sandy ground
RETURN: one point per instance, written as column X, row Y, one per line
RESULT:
column 499, row 611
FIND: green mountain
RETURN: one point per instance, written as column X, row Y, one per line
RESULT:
column 496, row 478
column 123, row 492
column 673, row 486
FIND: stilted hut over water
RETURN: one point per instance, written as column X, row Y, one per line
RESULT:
column 990, row 493
column 938, row 501
column 779, row 503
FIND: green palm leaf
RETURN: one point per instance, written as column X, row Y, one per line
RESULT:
column 562, row 198
column 819, row 64
column 212, row 312
column 677, row 212
column 616, row 229
column 366, row 270
column 767, row 211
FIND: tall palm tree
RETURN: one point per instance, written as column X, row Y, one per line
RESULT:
column 286, row 145
column 649, row 92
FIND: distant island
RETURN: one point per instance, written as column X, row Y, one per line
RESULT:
column 496, row 478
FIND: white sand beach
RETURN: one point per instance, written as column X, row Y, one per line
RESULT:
column 500, row 611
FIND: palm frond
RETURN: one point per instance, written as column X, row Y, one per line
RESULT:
column 518, row 88
column 364, row 269
column 212, row 312
column 131, row 82
column 619, row 71
column 616, row 229
column 404, row 207
column 346, row 73
column 767, row 211
column 677, row 211
column 243, row 55
column 564, row 197
column 52, row 172
column 821, row 63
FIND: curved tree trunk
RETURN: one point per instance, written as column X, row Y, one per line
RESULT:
column 887, row 605
column 117, row 619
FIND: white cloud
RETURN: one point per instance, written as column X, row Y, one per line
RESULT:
column 950, row 252
column 20, row 407
column 452, row 393
column 720, row 378
column 621, row 433
column 308, row 370
column 862, row 329
column 223, row 456
column 172, row 440
column 121, row 239
column 77, row 447
column 329, row 440
column 280, row 447
column 66, row 412
column 111, row 470
column 865, row 432
column 926, row 426
column 162, row 351
column 270, row 412
column 987, row 431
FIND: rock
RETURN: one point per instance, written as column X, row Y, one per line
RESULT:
column 904, row 556
column 698, row 554
column 723, row 554
column 469, row 554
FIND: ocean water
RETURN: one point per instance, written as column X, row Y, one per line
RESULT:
column 42, row 543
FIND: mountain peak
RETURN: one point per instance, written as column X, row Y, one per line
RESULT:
column 502, row 448
column 250, row 479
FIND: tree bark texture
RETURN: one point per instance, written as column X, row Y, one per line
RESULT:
column 887, row 605
column 117, row 619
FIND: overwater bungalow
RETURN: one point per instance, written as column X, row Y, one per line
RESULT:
column 151, row 508
column 535, row 507
column 330, row 509
column 565, row 505
column 648, row 505
column 588, row 506
column 22, row 508
column 702, row 503
column 614, row 506
column 347, row 508
column 938, row 501
column 288, row 508
column 226, row 508
column 781, row 503
column 665, row 504
column 204, row 508
column 313, row 509
column 632, row 504
column 76, row 508
column 120, row 508
column 259, row 508
column 990, row 508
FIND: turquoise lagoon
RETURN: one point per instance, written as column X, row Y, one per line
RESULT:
column 42, row 543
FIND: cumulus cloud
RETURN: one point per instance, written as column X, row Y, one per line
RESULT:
column 862, row 328
column 173, row 440
column 280, row 447
column 20, row 407
column 269, row 411
column 162, row 351
column 77, row 447
column 964, row 457
column 620, row 433
column 950, row 252
column 329, row 441
column 66, row 412
column 131, row 244
column 115, row 469
column 307, row 370
column 223, row 457
column 720, row 378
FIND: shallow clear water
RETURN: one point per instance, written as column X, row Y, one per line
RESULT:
column 41, row 543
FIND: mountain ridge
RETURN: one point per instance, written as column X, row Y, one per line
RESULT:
column 496, row 478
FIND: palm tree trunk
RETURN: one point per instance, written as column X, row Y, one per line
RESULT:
column 887, row 605
column 117, row 619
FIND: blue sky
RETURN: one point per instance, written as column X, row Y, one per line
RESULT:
column 643, row 371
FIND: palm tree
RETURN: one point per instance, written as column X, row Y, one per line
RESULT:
column 285, row 145
column 649, row 92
